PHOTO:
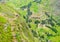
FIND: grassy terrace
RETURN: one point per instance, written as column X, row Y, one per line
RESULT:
column 29, row 21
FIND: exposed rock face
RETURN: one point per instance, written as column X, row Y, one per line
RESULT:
column 3, row 1
column 56, row 8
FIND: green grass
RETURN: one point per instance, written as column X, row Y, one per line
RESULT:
column 22, row 32
column 2, row 19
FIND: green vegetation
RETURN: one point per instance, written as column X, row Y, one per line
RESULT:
column 28, row 21
column 2, row 19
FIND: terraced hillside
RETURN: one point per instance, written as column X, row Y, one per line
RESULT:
column 29, row 21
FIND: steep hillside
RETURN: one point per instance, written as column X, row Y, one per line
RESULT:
column 29, row 20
